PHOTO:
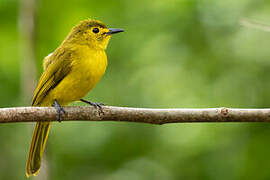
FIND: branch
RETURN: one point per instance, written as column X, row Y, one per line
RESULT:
column 255, row 24
column 144, row 115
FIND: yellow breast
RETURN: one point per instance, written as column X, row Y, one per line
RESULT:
column 88, row 66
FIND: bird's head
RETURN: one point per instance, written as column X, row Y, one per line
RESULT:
column 93, row 33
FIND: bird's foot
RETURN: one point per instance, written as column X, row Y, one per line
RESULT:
column 59, row 109
column 96, row 105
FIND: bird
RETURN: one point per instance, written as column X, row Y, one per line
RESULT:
column 69, row 73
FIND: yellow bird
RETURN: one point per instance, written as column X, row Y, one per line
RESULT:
column 70, row 72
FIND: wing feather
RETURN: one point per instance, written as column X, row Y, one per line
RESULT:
column 54, row 73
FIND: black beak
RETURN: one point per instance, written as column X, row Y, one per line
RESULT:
column 114, row 31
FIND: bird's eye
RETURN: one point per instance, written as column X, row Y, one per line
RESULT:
column 95, row 30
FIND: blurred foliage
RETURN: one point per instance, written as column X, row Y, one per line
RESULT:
column 174, row 53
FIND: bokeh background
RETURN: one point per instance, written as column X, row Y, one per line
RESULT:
column 174, row 54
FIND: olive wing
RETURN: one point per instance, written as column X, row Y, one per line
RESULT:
column 56, row 71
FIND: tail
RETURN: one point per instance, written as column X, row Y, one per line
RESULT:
column 38, row 143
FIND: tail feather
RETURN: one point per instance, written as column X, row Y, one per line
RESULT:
column 37, row 147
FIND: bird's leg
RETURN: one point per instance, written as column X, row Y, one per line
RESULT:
column 96, row 105
column 59, row 109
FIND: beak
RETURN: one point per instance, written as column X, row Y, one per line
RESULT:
column 114, row 31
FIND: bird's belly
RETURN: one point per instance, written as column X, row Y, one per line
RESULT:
column 78, row 82
column 72, row 89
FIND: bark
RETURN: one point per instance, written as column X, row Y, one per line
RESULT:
column 143, row 115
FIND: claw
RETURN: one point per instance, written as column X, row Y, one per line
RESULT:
column 96, row 105
column 59, row 110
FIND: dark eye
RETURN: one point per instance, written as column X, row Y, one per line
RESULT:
column 95, row 30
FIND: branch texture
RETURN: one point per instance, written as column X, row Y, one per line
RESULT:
column 143, row 115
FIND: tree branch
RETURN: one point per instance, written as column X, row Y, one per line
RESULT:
column 144, row 115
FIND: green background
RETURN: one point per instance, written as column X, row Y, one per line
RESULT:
column 174, row 54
